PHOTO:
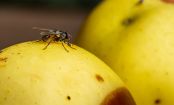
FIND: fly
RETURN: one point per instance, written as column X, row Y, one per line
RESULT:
column 54, row 35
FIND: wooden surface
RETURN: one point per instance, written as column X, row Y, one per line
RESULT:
column 16, row 23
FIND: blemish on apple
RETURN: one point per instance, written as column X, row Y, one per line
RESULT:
column 168, row 1
column 157, row 101
column 3, row 59
column 140, row 2
column 18, row 53
column 8, row 78
column 99, row 78
column 120, row 96
column 68, row 97
column 128, row 21
column 5, row 98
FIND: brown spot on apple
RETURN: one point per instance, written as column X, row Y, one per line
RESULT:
column 157, row 101
column 140, row 2
column 3, row 59
column 68, row 97
column 129, row 21
column 120, row 96
column 18, row 53
column 99, row 78
column 168, row 1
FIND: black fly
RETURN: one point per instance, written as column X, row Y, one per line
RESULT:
column 54, row 35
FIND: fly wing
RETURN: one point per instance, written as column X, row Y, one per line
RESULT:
column 42, row 29
column 44, row 33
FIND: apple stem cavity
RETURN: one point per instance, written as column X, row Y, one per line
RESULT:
column 168, row 1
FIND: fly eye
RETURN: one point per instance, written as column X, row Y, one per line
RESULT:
column 69, row 36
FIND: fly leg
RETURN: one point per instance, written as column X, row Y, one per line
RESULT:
column 70, row 45
column 64, row 47
column 47, row 45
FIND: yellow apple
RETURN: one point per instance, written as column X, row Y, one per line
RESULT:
column 137, row 41
column 30, row 75
column 109, row 19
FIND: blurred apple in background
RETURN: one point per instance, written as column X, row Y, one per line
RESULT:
column 136, row 39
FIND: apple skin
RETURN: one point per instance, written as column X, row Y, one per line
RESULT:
column 144, row 57
column 30, row 75
column 169, row 1
column 108, row 21
column 140, row 50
